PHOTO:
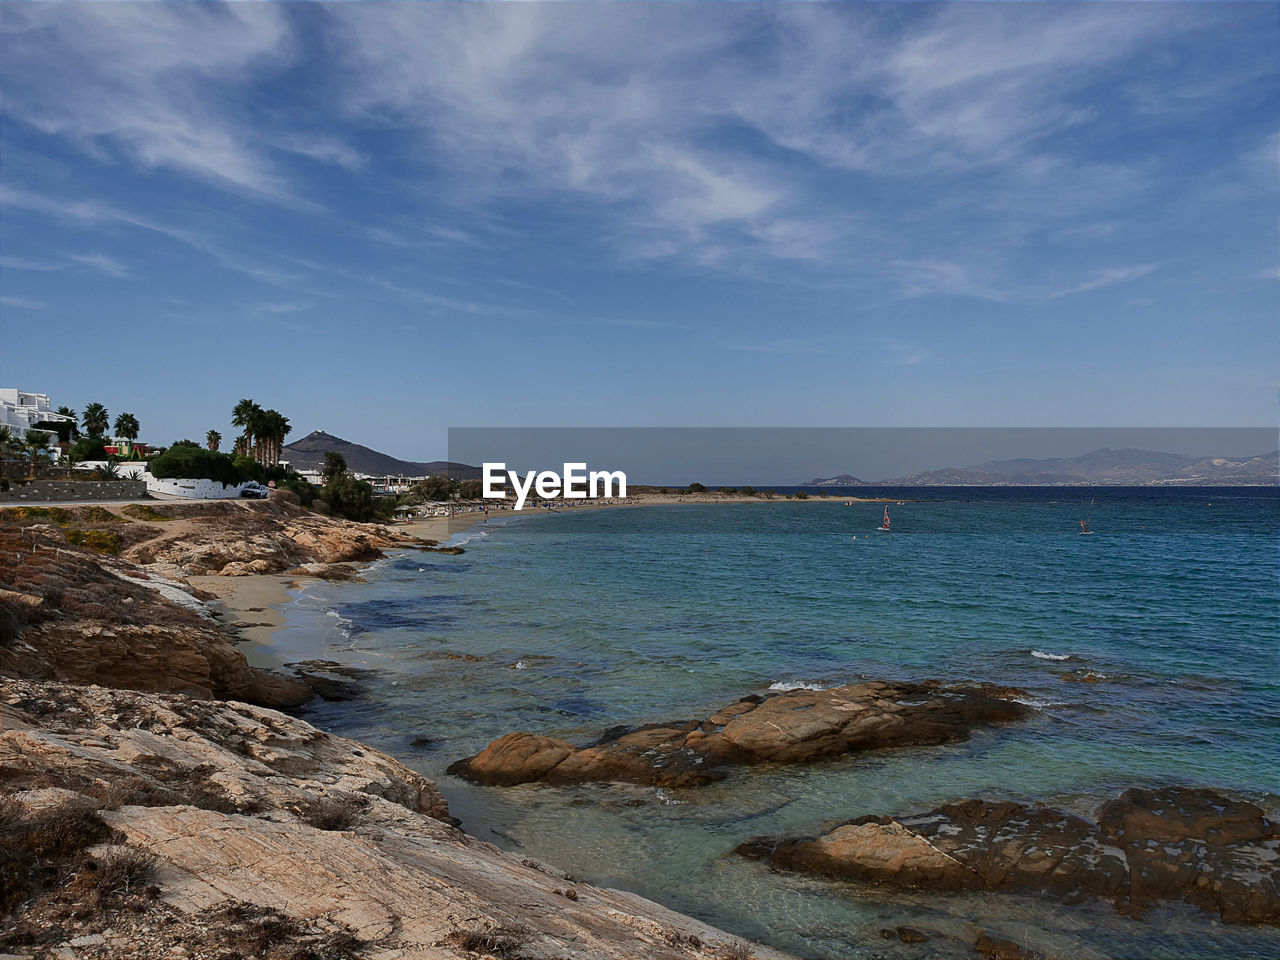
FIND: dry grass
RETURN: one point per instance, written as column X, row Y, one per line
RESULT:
column 334, row 812
column 504, row 944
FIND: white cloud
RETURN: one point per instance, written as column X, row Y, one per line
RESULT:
column 279, row 308
column 1107, row 278
column 21, row 303
column 23, row 263
column 102, row 263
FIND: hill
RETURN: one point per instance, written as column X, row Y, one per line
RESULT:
column 844, row 480
column 308, row 454
column 1106, row 467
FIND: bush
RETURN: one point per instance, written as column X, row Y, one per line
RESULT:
column 801, row 495
column 697, row 488
column 196, row 463
column 748, row 491
column 89, row 448
column 250, row 469
column 349, row 497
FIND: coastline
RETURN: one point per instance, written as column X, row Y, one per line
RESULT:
column 252, row 606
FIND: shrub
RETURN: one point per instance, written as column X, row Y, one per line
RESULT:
column 333, row 813
column 120, row 872
column 141, row 511
column 89, row 448
column 349, row 497
column 249, row 468
column 748, row 491
column 801, row 495
column 697, row 488
column 196, row 463
column 99, row 541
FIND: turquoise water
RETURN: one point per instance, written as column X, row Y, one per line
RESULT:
column 569, row 624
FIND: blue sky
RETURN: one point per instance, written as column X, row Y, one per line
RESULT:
column 389, row 219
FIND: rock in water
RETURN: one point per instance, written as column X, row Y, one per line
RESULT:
column 799, row 726
column 1171, row 844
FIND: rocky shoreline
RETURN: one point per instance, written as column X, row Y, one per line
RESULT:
column 154, row 804
column 321, row 846
column 799, row 726
column 1172, row 844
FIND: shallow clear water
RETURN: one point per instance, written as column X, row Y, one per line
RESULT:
column 569, row 624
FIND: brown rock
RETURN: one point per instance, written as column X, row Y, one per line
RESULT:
column 1173, row 844
column 230, row 794
column 515, row 758
column 799, row 726
column 994, row 948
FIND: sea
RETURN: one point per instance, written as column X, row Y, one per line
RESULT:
column 569, row 623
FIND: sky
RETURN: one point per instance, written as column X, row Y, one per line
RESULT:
column 387, row 220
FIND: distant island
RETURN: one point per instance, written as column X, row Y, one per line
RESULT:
column 308, row 454
column 843, row 480
column 1104, row 467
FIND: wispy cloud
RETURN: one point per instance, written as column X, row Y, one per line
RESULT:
column 279, row 308
column 776, row 346
column 24, row 263
column 102, row 263
column 1107, row 278
column 96, row 212
column 21, row 303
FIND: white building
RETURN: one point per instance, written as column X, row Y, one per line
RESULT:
column 21, row 411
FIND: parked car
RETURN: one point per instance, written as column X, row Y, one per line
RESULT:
column 255, row 491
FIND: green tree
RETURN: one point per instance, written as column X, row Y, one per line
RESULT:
column 272, row 427
column 246, row 415
column 36, row 443
column 748, row 491
column 335, row 465
column 127, row 426
column 697, row 488
column 471, row 490
column 95, row 420
column 435, row 487
column 213, row 440
column 349, row 497
column 193, row 462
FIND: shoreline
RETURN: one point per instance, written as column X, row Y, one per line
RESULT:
column 251, row 607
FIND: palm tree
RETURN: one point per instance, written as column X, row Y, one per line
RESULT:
column 127, row 426
column 37, row 443
column 95, row 419
column 246, row 415
column 273, row 428
column 74, row 431
column 213, row 440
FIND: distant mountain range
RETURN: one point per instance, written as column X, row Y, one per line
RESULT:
column 1127, row 467
column 308, row 454
column 844, row 480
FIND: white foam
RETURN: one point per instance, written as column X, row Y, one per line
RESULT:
column 785, row 685
column 519, row 665
column 1041, row 655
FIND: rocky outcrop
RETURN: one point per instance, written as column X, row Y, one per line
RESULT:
column 799, row 726
column 250, row 813
column 85, row 618
column 239, row 539
column 1172, row 844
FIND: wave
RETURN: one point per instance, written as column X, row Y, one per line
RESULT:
column 785, row 685
column 1042, row 655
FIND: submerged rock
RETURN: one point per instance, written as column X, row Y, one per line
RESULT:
column 1172, row 844
column 798, row 726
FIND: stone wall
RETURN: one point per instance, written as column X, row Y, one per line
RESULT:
column 59, row 490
